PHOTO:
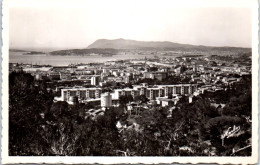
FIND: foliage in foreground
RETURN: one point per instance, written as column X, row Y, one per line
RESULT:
column 37, row 126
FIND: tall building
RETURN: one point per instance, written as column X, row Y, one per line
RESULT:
column 106, row 100
column 106, row 70
column 95, row 80
column 127, row 79
column 194, row 68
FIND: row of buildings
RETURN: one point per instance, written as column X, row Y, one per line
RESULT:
column 152, row 93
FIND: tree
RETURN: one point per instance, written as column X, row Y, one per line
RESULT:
column 28, row 101
column 239, row 106
column 141, row 99
column 124, row 99
column 216, row 127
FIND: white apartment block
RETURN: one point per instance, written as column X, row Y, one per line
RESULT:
column 95, row 80
column 81, row 93
column 157, row 91
column 106, row 100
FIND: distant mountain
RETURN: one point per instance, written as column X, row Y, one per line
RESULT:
column 117, row 46
column 153, row 45
column 132, row 44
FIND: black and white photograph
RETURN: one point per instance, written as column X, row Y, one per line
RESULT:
column 129, row 81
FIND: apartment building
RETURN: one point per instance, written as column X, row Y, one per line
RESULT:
column 157, row 91
column 106, row 100
column 95, row 80
column 81, row 93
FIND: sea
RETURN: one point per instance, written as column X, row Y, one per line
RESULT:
column 45, row 59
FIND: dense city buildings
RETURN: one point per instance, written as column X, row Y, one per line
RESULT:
column 155, row 78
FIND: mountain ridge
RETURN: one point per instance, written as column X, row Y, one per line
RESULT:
column 134, row 44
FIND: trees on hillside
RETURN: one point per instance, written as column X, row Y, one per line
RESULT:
column 141, row 99
column 37, row 126
column 27, row 102
column 124, row 99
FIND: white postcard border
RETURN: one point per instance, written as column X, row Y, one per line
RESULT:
column 115, row 160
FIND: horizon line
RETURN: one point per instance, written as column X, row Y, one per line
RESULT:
column 75, row 47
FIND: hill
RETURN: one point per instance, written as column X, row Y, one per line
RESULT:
column 117, row 46
column 151, row 45
column 85, row 51
column 132, row 44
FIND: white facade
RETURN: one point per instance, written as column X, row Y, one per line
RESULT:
column 157, row 91
column 95, row 80
column 190, row 99
column 81, row 93
column 106, row 100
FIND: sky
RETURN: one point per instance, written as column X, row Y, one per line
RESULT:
column 79, row 25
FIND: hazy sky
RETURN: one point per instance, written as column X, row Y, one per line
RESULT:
column 81, row 25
